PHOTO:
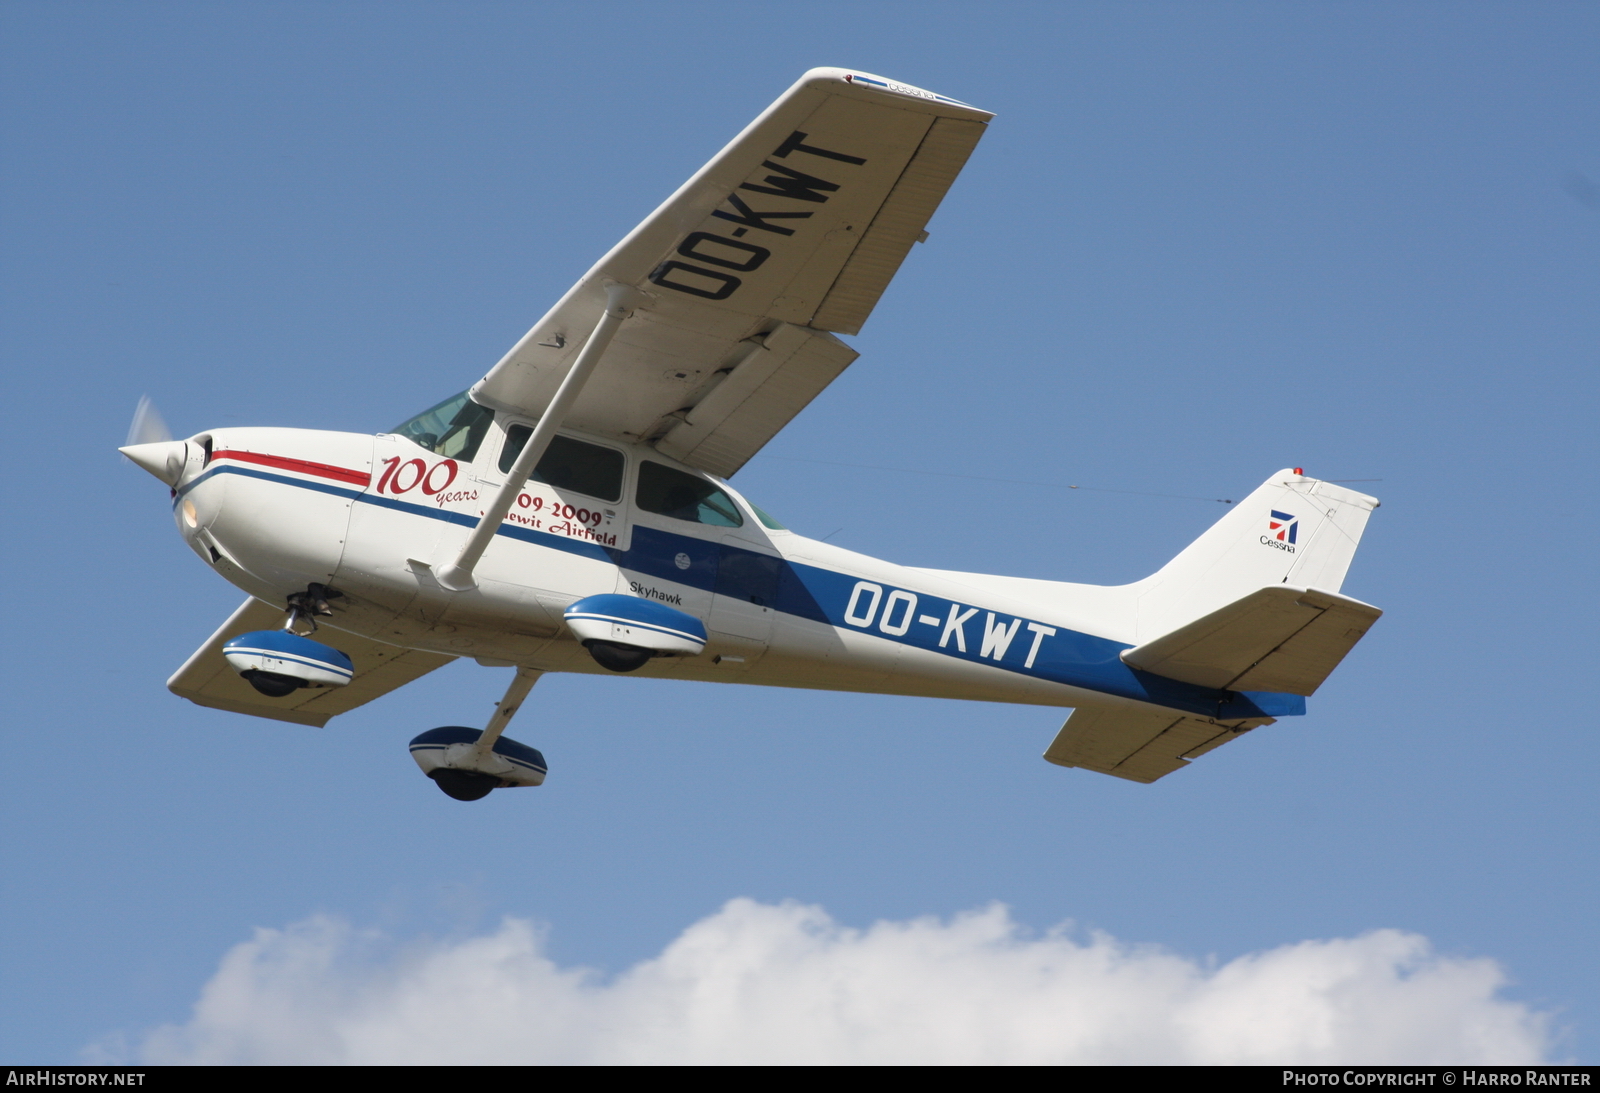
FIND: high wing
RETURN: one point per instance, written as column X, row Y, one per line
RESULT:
column 207, row 679
column 790, row 234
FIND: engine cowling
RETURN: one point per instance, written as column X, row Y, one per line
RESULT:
column 624, row 632
column 278, row 663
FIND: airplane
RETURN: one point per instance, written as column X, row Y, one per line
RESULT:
column 571, row 511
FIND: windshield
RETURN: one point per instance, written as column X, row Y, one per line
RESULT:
column 454, row 428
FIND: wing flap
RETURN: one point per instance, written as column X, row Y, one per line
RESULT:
column 1277, row 638
column 772, row 383
column 1139, row 745
column 206, row 679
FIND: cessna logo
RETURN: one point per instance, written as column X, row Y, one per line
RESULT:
column 1282, row 528
column 715, row 257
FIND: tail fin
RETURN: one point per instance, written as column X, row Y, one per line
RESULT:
column 1292, row 530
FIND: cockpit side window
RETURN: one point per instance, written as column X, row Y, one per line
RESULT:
column 683, row 496
column 766, row 518
column 570, row 464
column 455, row 428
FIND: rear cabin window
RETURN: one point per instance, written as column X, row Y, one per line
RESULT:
column 668, row 492
column 570, row 464
column 455, row 428
column 766, row 518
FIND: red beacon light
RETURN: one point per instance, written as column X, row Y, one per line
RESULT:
column 1299, row 471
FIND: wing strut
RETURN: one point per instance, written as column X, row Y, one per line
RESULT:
column 620, row 302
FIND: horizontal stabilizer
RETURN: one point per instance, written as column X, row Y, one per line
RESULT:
column 1139, row 745
column 1277, row 638
column 380, row 668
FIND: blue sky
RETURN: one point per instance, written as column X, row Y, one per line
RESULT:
column 1198, row 244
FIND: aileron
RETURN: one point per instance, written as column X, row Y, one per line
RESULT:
column 898, row 225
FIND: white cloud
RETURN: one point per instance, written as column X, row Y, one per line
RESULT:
column 756, row 983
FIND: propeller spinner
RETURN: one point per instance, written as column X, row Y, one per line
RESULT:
column 150, row 444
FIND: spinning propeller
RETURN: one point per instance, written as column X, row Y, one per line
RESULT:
column 148, row 426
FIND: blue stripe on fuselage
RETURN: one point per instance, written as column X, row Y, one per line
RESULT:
column 824, row 595
column 1064, row 656
column 251, row 472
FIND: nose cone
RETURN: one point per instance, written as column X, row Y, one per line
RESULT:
column 165, row 459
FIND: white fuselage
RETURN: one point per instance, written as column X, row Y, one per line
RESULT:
column 274, row 510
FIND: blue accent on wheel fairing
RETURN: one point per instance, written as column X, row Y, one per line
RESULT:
column 632, row 624
column 634, row 611
column 289, row 658
column 281, row 643
column 505, row 747
column 795, row 588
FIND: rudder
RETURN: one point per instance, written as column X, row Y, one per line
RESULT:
column 1291, row 530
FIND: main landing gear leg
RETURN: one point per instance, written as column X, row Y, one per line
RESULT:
column 305, row 607
column 468, row 764
column 521, row 684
